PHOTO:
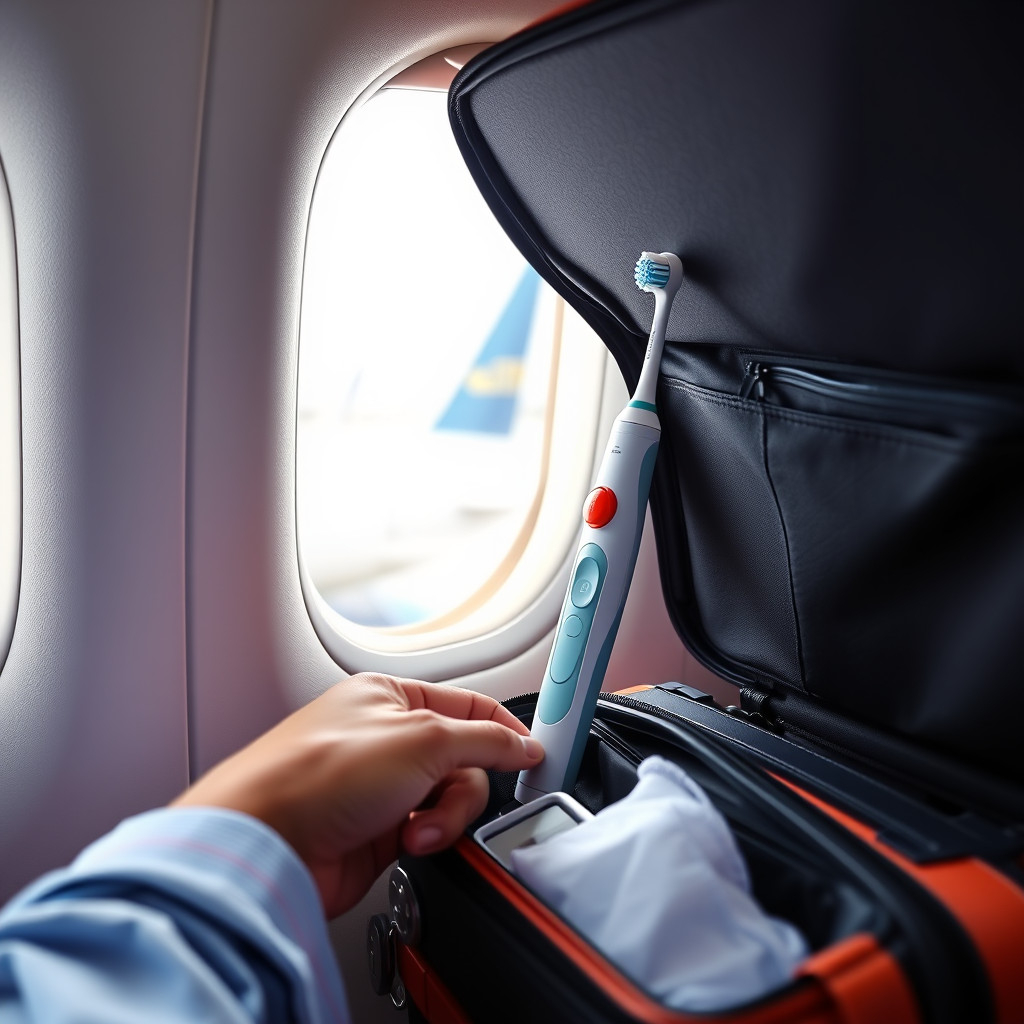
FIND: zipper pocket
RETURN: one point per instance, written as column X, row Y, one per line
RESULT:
column 936, row 409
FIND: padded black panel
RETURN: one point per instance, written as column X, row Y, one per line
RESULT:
column 839, row 500
column 836, row 175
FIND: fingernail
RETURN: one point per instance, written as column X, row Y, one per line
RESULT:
column 533, row 748
column 428, row 836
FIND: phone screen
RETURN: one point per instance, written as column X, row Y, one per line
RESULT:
column 537, row 828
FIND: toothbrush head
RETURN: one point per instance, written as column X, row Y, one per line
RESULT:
column 658, row 271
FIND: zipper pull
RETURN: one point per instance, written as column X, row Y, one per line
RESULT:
column 752, row 385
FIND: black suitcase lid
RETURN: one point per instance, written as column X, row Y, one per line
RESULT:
column 839, row 496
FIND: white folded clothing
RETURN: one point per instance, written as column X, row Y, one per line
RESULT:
column 658, row 885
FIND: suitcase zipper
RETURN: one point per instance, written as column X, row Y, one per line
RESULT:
column 611, row 739
column 880, row 395
column 752, row 385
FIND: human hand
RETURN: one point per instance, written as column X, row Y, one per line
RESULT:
column 374, row 765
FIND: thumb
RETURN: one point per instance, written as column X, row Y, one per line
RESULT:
column 461, row 799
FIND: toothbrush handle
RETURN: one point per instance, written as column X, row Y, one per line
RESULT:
column 592, row 608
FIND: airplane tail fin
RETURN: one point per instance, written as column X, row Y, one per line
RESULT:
column 486, row 399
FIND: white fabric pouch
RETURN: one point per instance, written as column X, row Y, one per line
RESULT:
column 658, row 885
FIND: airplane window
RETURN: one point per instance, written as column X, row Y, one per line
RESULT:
column 10, row 427
column 428, row 358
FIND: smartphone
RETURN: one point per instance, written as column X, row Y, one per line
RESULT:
column 535, row 822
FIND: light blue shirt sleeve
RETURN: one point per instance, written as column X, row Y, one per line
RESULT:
column 180, row 914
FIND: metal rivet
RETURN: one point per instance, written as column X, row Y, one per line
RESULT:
column 405, row 910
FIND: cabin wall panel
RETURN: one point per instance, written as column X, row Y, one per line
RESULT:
column 99, row 107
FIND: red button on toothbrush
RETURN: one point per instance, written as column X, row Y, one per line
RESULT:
column 600, row 506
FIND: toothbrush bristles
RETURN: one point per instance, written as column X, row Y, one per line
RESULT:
column 651, row 273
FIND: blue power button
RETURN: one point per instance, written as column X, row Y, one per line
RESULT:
column 584, row 584
column 566, row 660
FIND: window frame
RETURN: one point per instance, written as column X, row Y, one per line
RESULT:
column 521, row 607
column 10, row 427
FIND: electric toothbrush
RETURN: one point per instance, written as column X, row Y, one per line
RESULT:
column 613, row 518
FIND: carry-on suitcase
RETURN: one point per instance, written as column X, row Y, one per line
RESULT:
column 839, row 496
